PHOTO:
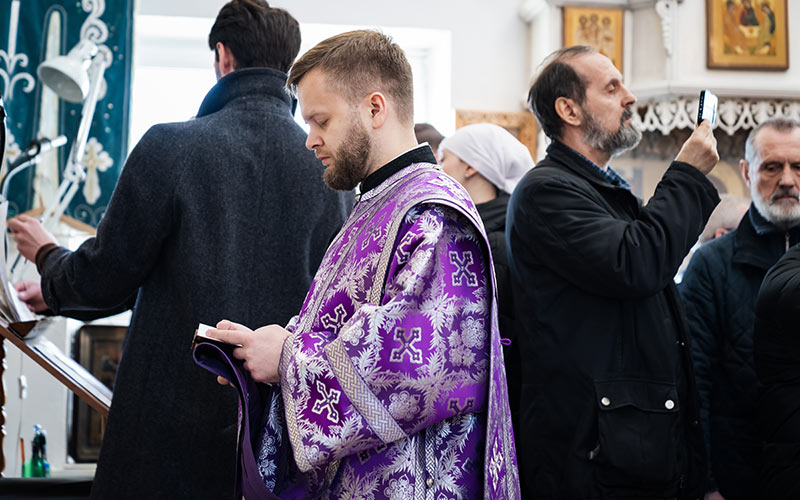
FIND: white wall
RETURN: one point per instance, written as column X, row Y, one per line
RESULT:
column 489, row 40
column 648, row 63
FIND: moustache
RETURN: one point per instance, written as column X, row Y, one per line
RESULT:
column 626, row 115
column 784, row 192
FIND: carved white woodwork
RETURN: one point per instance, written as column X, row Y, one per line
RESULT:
column 667, row 10
column 668, row 114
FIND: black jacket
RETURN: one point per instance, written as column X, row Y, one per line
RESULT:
column 223, row 216
column 493, row 215
column 719, row 292
column 609, row 408
column 777, row 362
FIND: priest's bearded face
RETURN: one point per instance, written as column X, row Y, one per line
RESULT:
column 349, row 161
column 336, row 134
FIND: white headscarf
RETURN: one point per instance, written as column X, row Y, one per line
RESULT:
column 492, row 151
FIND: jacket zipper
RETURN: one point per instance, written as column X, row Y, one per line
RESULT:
column 787, row 242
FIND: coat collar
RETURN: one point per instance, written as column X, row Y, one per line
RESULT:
column 580, row 165
column 759, row 243
column 246, row 82
column 419, row 154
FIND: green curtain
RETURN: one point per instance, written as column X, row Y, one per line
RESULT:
column 30, row 32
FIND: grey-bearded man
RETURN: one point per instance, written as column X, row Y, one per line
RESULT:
column 720, row 288
column 608, row 399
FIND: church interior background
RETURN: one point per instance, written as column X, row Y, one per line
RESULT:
column 471, row 61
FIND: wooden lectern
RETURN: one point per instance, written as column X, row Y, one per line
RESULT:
column 26, row 336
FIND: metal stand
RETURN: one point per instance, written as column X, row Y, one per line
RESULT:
column 74, row 173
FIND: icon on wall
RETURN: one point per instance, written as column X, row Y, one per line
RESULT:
column 600, row 28
column 747, row 34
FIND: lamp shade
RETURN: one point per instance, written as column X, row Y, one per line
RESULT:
column 68, row 75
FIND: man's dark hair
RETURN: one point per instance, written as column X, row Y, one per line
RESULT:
column 257, row 35
column 425, row 132
column 557, row 79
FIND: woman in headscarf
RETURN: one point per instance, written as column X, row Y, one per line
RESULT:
column 489, row 162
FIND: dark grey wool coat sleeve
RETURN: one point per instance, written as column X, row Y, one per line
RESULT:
column 222, row 216
column 108, row 270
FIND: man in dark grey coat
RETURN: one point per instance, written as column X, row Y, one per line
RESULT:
column 719, row 291
column 226, row 216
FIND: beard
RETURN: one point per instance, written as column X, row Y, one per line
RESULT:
column 778, row 211
column 614, row 143
column 350, row 161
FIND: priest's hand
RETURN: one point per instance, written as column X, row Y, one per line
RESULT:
column 230, row 326
column 30, row 235
column 30, row 292
column 261, row 349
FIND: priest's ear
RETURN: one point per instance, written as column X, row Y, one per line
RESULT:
column 378, row 113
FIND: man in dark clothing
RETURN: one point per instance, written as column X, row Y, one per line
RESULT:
column 777, row 362
column 609, row 407
column 225, row 215
column 719, row 292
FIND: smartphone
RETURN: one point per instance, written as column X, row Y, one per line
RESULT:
column 707, row 109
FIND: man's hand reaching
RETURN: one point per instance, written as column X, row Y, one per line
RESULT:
column 30, row 235
column 30, row 292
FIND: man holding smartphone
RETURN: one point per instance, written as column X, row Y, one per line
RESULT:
column 609, row 404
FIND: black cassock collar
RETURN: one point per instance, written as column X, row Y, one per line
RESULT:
column 420, row 154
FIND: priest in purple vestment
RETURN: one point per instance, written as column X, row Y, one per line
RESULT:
column 390, row 380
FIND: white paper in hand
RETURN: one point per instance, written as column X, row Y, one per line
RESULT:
column 202, row 331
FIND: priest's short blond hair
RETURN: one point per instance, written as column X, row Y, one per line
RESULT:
column 358, row 63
